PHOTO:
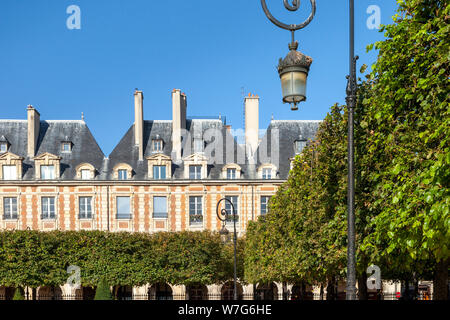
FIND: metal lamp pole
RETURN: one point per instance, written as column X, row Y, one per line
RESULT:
column 223, row 215
column 351, row 101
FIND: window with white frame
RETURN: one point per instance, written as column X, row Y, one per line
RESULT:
column 299, row 145
column 267, row 173
column 159, row 207
column 85, row 174
column 48, row 208
column 122, row 174
column 66, row 146
column 47, row 172
column 195, row 210
column 9, row 172
column 157, row 145
column 231, row 173
column 229, row 209
column 3, row 147
column 123, row 207
column 9, row 208
column 159, row 172
column 85, row 207
column 264, row 204
column 195, row 172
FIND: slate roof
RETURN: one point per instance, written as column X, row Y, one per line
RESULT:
column 51, row 134
column 86, row 149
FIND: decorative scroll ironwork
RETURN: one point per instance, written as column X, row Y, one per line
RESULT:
column 291, row 7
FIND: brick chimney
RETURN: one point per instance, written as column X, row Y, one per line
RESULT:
column 251, row 123
column 139, row 122
column 179, row 105
column 33, row 118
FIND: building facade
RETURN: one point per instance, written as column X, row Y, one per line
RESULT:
column 161, row 176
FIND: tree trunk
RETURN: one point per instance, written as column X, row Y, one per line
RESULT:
column 321, row 291
column 331, row 294
column 362, row 286
column 285, row 296
column 440, row 283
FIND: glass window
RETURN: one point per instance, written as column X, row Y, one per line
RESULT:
column 157, row 145
column 85, row 204
column 264, row 204
column 123, row 208
column 47, row 172
column 195, row 210
column 9, row 208
column 85, row 174
column 3, row 147
column 66, row 147
column 231, row 173
column 122, row 174
column 159, row 207
column 267, row 173
column 299, row 145
column 9, row 172
column 48, row 208
column 234, row 200
column 195, row 172
column 159, row 172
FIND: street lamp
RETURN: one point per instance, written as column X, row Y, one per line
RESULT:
column 223, row 215
column 294, row 68
column 293, row 71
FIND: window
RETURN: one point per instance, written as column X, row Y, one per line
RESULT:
column 85, row 208
column 123, row 208
column 3, row 147
column 9, row 208
column 234, row 200
column 159, row 172
column 195, row 210
column 195, row 172
column 122, row 174
column 85, row 174
column 47, row 172
column 9, row 172
column 231, row 173
column 66, row 147
column 267, row 173
column 48, row 208
column 157, row 145
column 264, row 204
column 299, row 145
column 159, row 207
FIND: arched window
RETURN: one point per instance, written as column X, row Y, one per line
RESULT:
column 85, row 171
column 122, row 171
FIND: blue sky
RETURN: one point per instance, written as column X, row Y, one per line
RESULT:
column 208, row 49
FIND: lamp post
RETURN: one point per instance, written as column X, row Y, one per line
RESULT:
column 293, row 71
column 223, row 215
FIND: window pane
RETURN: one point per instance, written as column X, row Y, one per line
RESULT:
column 163, row 172
column 3, row 147
column 122, row 174
column 9, row 173
column 234, row 200
column 195, row 172
column 159, row 207
column 48, row 207
column 10, row 208
column 47, row 172
column 231, row 173
column 195, row 210
column 264, row 204
column 85, row 174
column 85, row 207
column 123, row 208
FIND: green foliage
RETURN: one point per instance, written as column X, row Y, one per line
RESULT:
column 103, row 291
column 32, row 258
column 18, row 294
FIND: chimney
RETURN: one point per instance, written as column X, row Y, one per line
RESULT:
column 251, row 123
column 33, row 118
column 179, row 105
column 139, row 122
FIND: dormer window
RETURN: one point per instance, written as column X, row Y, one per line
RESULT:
column 85, row 174
column 85, row 171
column 157, row 145
column 3, row 147
column 66, row 146
column 195, row 172
column 122, row 174
column 299, row 145
column 267, row 173
column 231, row 173
column 9, row 172
column 47, row 172
column 122, row 171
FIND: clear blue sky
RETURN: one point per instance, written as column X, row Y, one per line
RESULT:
column 208, row 49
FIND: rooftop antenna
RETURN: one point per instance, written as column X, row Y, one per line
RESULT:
column 272, row 117
column 243, row 102
column 82, row 116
